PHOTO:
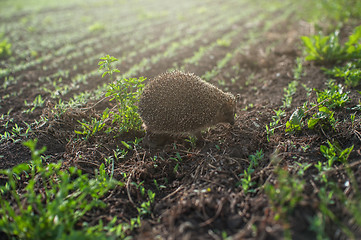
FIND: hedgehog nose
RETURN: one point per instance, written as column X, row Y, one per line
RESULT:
column 232, row 121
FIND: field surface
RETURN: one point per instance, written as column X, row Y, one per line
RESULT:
column 256, row 179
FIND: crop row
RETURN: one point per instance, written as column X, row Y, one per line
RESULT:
column 69, row 75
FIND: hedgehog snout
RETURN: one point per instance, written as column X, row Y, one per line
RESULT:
column 232, row 121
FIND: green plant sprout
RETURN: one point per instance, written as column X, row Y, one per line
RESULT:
column 350, row 72
column 106, row 66
column 288, row 93
column 333, row 96
column 297, row 71
column 38, row 102
column 67, row 196
column 246, row 176
column 178, row 159
column 324, row 115
column 192, row 140
column 90, row 129
column 275, row 121
column 5, row 48
column 222, row 42
column 328, row 48
column 286, row 194
column 127, row 93
column 335, row 153
column 97, row 27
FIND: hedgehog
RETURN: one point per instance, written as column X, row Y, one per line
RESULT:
column 178, row 103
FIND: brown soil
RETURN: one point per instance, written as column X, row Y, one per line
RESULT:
column 203, row 199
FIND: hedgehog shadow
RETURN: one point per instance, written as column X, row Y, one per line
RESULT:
column 199, row 139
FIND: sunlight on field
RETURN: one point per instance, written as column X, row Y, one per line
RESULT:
column 74, row 157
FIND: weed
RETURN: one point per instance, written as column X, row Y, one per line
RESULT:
column 192, row 140
column 275, row 121
column 96, row 27
column 302, row 168
column 67, row 196
column 145, row 207
column 328, row 48
column 335, row 153
column 246, row 181
column 246, row 176
column 106, row 65
column 353, row 120
column 178, row 159
column 90, row 129
column 286, row 194
column 308, row 89
column 159, row 187
column 127, row 93
column 5, row 48
column 256, row 158
column 333, row 96
column 332, row 12
column 140, row 187
column 295, row 123
column 323, row 116
column 317, row 225
column 350, row 72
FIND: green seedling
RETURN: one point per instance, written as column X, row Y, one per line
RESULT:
column 308, row 90
column 317, row 225
column 328, row 48
column 246, row 176
column 192, row 140
column 38, row 102
column 275, row 121
column 285, row 195
column 256, row 158
column 334, row 96
column 67, row 195
column 297, row 71
column 145, row 207
column 288, row 93
column 324, row 115
column 178, row 159
column 353, row 120
column 246, row 181
column 95, row 126
column 159, row 187
column 326, row 199
column 335, row 153
column 97, row 27
column 295, row 123
column 302, row 168
column 5, row 49
column 106, row 66
column 140, row 187
column 350, row 72
column 127, row 93
column 224, row 42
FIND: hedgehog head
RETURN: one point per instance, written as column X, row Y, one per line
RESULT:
column 227, row 111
